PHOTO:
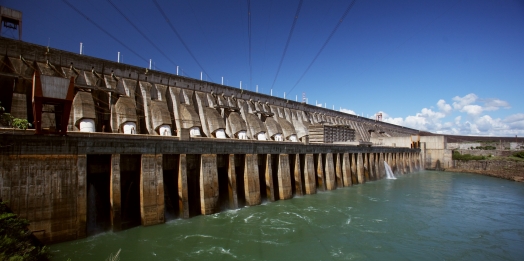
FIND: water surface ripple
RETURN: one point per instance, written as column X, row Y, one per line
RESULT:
column 429, row 215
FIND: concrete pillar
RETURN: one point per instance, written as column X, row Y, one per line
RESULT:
column 320, row 173
column 400, row 167
column 354, row 178
column 346, row 170
column 183, row 193
column 372, row 166
column 208, row 184
column 389, row 160
column 411, row 165
column 404, row 167
column 377, row 166
column 423, row 155
column 251, row 180
column 382, row 167
column 298, row 176
column 81, row 200
column 309, row 174
column 360, row 169
column 408, row 168
column 403, row 162
column 338, row 171
column 330, row 172
column 115, row 193
column 270, row 190
column 151, row 190
column 232, row 182
column 394, row 165
column 284, row 177
column 366, row 167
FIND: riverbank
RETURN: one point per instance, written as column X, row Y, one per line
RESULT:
column 500, row 168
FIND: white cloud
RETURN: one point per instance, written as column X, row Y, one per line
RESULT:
column 460, row 102
column 444, row 107
column 457, row 120
column 495, row 104
column 472, row 121
column 346, row 111
column 472, row 109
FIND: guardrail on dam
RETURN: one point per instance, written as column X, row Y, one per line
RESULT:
column 143, row 146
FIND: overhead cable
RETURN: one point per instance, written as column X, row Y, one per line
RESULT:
column 179, row 37
column 103, row 30
column 249, row 40
column 325, row 43
column 141, row 33
column 287, row 42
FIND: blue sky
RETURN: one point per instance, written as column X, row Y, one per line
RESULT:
column 454, row 67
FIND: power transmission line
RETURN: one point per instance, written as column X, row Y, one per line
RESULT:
column 249, row 40
column 287, row 42
column 103, row 30
column 179, row 37
column 141, row 33
column 325, row 43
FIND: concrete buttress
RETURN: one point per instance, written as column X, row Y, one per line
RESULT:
column 251, row 180
column 183, row 193
column 382, row 167
column 81, row 203
column 372, row 166
column 330, row 172
column 360, row 169
column 284, row 177
column 346, row 170
column 320, row 174
column 270, row 189
column 366, row 167
column 115, row 193
column 354, row 178
column 338, row 171
column 232, row 182
column 151, row 190
column 208, row 184
column 309, row 174
column 298, row 176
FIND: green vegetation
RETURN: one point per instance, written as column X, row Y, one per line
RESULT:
column 458, row 156
column 519, row 154
column 16, row 241
column 486, row 147
column 9, row 120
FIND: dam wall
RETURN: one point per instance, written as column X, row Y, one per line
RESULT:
column 114, row 146
column 70, row 187
column 113, row 97
column 435, row 151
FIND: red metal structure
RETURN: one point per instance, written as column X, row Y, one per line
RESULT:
column 55, row 91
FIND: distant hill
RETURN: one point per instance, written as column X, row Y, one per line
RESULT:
column 460, row 138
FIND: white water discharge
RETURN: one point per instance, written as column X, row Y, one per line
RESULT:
column 389, row 172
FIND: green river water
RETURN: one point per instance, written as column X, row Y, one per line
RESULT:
column 429, row 215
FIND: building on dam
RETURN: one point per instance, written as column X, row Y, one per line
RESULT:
column 114, row 146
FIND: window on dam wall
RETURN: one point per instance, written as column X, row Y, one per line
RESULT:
column 130, row 190
column 98, row 196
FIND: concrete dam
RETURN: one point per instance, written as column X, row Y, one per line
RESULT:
column 115, row 146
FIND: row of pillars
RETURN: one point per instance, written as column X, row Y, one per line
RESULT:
column 250, row 177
